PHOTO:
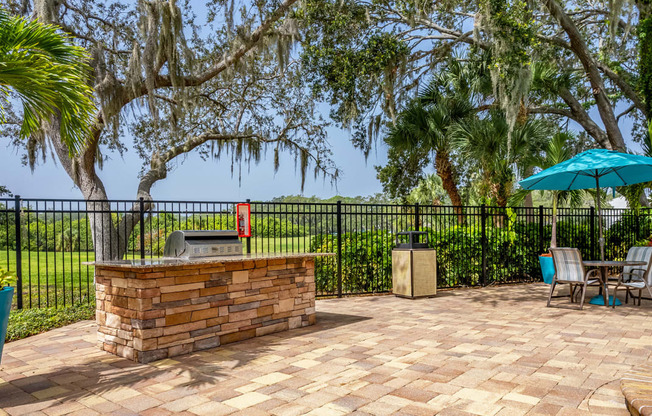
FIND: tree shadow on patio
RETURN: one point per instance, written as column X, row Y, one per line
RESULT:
column 112, row 377
column 535, row 296
column 494, row 297
column 521, row 291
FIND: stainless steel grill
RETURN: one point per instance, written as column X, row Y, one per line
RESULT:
column 190, row 243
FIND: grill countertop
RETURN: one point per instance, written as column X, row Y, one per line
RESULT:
column 181, row 261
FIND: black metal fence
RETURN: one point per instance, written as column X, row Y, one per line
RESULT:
column 47, row 243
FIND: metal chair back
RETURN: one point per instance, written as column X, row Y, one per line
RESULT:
column 639, row 253
column 568, row 264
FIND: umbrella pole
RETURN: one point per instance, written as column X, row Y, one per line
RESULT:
column 597, row 196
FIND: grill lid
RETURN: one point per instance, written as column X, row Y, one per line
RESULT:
column 206, row 234
column 198, row 243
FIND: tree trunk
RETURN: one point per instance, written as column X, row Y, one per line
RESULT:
column 643, row 200
column 527, row 202
column 444, row 169
column 501, row 191
column 592, row 72
column 501, row 200
column 109, row 238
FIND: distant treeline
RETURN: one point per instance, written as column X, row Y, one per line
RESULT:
column 378, row 198
column 70, row 232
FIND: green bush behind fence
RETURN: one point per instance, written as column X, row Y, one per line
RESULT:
column 489, row 245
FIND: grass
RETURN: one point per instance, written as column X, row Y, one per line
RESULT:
column 27, row 322
column 270, row 245
column 52, row 279
column 57, row 287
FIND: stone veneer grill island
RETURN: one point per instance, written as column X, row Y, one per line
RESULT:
column 148, row 310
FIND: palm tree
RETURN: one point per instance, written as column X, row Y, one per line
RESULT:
column 429, row 191
column 47, row 73
column 635, row 194
column 426, row 120
column 557, row 151
column 484, row 141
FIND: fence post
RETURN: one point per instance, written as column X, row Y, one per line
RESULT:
column 19, row 255
column 483, row 224
column 417, row 219
column 339, row 249
column 248, row 239
column 592, row 232
column 541, row 243
column 141, row 220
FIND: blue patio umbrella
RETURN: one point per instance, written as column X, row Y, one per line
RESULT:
column 593, row 169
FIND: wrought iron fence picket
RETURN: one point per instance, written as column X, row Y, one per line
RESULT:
column 45, row 241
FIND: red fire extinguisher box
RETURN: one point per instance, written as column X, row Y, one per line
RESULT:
column 243, row 213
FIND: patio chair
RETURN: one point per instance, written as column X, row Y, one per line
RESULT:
column 569, row 269
column 635, row 277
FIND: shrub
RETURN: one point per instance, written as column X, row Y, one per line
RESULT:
column 27, row 322
column 508, row 251
column 629, row 230
column 366, row 262
column 459, row 255
column 367, row 259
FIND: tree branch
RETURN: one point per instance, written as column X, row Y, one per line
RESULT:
column 158, row 167
column 580, row 115
column 125, row 95
column 627, row 111
column 551, row 110
column 88, row 16
column 234, row 57
column 626, row 89
column 580, row 50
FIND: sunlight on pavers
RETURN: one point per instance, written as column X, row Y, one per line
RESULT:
column 493, row 351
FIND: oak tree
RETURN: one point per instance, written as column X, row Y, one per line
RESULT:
column 228, row 87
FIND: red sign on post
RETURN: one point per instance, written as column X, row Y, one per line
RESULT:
column 243, row 212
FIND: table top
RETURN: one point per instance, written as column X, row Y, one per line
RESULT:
column 613, row 263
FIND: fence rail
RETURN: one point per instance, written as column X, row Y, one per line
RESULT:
column 46, row 242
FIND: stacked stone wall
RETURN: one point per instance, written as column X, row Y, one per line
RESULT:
column 147, row 314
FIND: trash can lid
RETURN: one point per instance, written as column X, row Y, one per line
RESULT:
column 413, row 240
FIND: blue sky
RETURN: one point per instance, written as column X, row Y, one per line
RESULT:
column 193, row 178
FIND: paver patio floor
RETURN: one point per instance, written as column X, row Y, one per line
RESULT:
column 493, row 351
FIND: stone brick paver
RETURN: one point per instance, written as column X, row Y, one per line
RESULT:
column 493, row 351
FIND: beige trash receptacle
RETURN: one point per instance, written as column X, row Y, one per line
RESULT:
column 414, row 267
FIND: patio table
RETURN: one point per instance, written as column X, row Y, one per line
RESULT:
column 603, row 265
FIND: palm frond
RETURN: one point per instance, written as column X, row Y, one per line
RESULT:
column 49, row 75
column 517, row 197
column 647, row 141
column 547, row 80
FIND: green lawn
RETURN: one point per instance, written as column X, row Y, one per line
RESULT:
column 52, row 278
column 286, row 245
column 59, row 278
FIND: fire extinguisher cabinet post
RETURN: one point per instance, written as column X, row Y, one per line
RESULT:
column 414, row 266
